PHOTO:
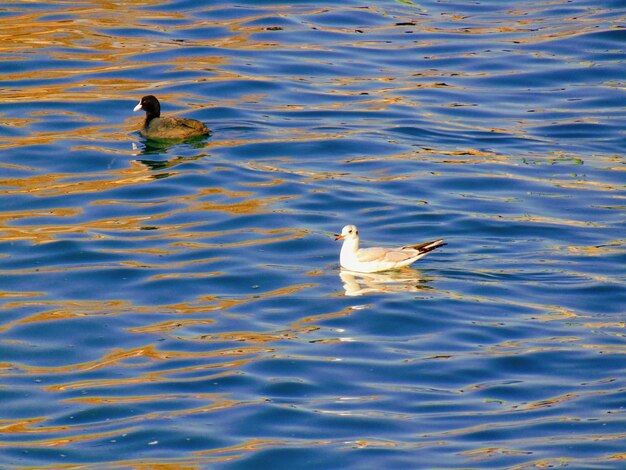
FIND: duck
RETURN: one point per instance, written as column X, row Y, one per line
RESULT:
column 156, row 127
column 376, row 259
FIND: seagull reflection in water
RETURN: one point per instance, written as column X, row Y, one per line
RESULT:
column 405, row 280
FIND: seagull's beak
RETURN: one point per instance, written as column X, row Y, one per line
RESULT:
column 138, row 107
column 338, row 236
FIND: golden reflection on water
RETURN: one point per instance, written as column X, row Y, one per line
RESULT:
column 60, row 441
column 35, row 32
column 247, row 202
column 64, row 310
column 58, row 184
column 203, row 458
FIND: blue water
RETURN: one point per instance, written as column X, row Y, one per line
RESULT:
column 183, row 304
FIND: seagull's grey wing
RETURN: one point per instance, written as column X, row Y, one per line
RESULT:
column 385, row 254
column 371, row 254
column 398, row 256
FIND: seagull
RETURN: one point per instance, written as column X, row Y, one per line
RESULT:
column 371, row 260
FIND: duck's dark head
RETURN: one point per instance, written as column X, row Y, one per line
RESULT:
column 151, row 106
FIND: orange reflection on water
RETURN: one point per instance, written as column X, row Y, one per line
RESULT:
column 21, row 425
column 201, row 459
column 65, row 184
column 57, row 310
column 211, row 402
column 61, row 441
column 158, row 397
column 244, row 202
column 171, row 325
column 189, row 374
column 143, row 356
column 490, row 452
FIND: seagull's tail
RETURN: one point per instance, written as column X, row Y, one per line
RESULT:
column 427, row 247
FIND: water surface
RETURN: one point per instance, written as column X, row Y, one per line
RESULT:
column 183, row 304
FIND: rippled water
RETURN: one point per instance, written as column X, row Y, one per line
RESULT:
column 183, row 304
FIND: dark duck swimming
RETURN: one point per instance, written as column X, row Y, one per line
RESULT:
column 156, row 127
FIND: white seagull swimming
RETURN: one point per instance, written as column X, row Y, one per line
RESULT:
column 371, row 260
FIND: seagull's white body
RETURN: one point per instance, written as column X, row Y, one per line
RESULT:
column 371, row 260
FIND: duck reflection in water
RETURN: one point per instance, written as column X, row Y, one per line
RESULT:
column 151, row 148
column 405, row 280
column 169, row 163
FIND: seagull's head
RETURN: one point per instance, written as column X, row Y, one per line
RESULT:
column 348, row 232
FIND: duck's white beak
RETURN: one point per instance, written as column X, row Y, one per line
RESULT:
column 138, row 107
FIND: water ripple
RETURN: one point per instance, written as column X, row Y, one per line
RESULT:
column 182, row 305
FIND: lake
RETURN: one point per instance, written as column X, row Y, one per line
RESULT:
column 181, row 305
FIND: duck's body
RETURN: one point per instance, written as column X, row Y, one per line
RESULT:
column 371, row 260
column 173, row 128
column 156, row 127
